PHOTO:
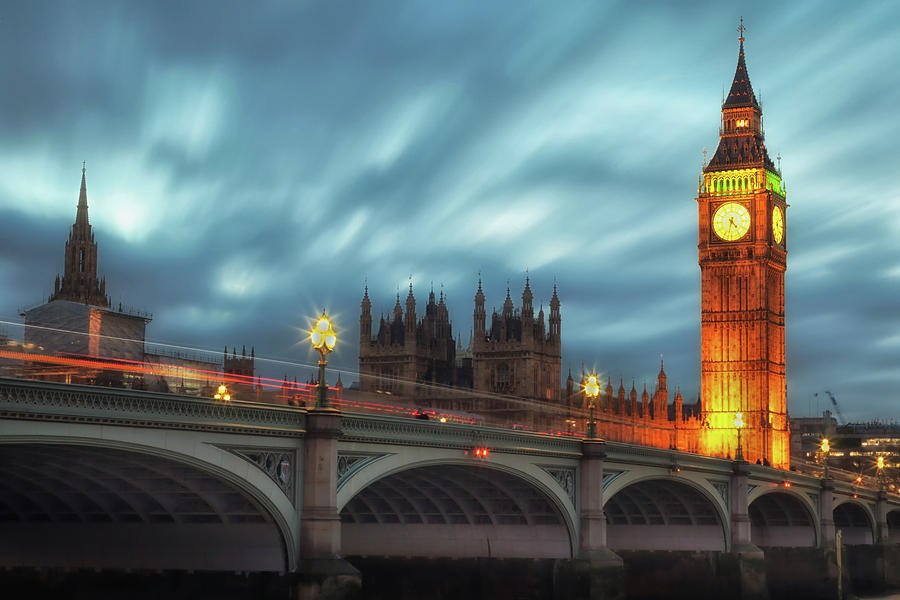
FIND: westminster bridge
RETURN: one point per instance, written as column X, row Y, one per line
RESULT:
column 98, row 478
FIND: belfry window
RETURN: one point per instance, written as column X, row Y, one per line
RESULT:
column 81, row 261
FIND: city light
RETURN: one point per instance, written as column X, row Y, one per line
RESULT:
column 322, row 336
column 323, row 340
column 739, row 424
column 591, row 388
column 222, row 394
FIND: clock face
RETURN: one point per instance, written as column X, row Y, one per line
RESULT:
column 777, row 224
column 731, row 221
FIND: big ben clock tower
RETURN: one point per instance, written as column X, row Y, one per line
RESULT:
column 743, row 257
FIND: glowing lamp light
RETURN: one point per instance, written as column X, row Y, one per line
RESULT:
column 787, row 484
column 738, row 420
column 481, row 452
column 826, row 446
column 880, row 462
column 323, row 340
column 322, row 336
column 591, row 387
column 859, row 479
column 222, row 394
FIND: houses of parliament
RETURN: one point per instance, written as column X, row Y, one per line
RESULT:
column 742, row 254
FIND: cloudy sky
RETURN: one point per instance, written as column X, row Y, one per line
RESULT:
column 250, row 163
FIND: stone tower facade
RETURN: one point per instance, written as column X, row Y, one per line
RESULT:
column 408, row 357
column 79, row 281
column 518, row 354
column 743, row 258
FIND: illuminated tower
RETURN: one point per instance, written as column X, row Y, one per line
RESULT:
column 79, row 281
column 743, row 257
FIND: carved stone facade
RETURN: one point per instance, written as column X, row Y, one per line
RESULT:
column 409, row 357
column 518, row 354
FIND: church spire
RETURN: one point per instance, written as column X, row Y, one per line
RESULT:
column 81, row 217
column 79, row 282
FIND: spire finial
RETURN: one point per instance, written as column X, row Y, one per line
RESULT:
column 83, row 166
column 741, row 29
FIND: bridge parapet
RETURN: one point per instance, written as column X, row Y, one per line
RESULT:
column 413, row 432
column 49, row 401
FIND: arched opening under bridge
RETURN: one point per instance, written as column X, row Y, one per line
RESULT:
column 854, row 523
column 75, row 506
column 781, row 519
column 452, row 510
column 662, row 514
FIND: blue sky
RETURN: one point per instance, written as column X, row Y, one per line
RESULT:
column 250, row 163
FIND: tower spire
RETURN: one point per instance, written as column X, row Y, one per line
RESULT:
column 79, row 282
column 81, row 217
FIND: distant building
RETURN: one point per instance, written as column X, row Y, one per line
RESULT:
column 77, row 320
column 408, row 356
column 78, row 336
column 519, row 354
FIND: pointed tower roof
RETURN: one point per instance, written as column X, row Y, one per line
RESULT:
column 741, row 142
column 81, row 217
column 80, row 282
column 741, row 93
column 508, row 303
column 366, row 304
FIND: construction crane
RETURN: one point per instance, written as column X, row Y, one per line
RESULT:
column 837, row 408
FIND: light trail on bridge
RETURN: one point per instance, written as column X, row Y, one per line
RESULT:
column 493, row 408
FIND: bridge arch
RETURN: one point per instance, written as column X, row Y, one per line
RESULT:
column 855, row 520
column 504, row 506
column 782, row 517
column 141, row 494
column 893, row 523
column 656, row 511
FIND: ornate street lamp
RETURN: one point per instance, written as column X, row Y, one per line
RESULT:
column 879, row 464
column 222, row 394
column 323, row 340
column 739, row 424
column 825, row 447
column 591, row 390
